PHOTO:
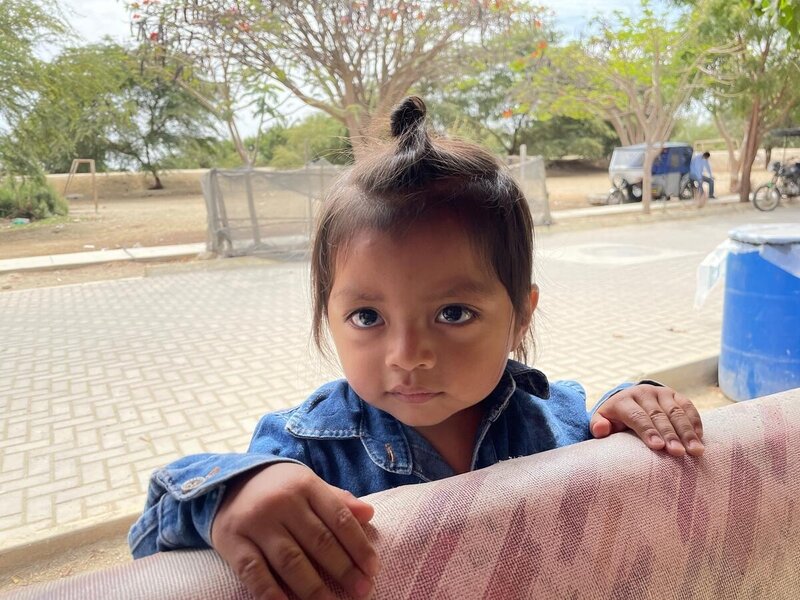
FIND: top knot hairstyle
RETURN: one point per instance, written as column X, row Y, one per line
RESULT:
column 419, row 175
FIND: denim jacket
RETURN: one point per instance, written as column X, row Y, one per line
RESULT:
column 357, row 447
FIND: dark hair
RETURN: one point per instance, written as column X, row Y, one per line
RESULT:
column 706, row 154
column 419, row 175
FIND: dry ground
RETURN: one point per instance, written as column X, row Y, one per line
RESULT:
column 130, row 218
column 163, row 218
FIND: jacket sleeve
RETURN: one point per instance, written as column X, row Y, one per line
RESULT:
column 184, row 496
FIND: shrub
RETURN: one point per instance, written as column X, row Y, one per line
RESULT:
column 31, row 198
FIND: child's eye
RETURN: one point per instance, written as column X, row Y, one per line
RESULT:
column 455, row 314
column 365, row 318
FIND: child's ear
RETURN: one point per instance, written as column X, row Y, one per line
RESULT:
column 525, row 324
column 534, row 299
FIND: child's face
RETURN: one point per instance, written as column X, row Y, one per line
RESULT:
column 422, row 326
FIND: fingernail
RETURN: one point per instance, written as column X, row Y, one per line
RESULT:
column 654, row 440
column 373, row 566
column 676, row 446
column 696, row 446
column 363, row 587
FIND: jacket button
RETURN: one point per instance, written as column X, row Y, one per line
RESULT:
column 192, row 483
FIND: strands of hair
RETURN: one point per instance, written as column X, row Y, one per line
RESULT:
column 415, row 175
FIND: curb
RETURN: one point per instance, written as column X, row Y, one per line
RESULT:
column 686, row 376
column 42, row 549
column 85, row 259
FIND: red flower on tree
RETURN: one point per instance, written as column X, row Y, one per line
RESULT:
column 154, row 36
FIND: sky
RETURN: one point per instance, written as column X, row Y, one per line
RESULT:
column 95, row 19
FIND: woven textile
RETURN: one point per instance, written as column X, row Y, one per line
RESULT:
column 602, row 519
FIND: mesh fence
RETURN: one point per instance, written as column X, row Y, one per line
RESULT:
column 269, row 212
column 530, row 175
column 261, row 211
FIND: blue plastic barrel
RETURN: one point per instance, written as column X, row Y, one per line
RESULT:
column 760, row 351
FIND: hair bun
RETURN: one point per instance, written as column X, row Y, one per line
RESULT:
column 408, row 116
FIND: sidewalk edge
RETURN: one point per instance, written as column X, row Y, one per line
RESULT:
column 686, row 376
column 48, row 547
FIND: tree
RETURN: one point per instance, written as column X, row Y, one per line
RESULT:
column 351, row 60
column 785, row 13
column 95, row 102
column 23, row 25
column 154, row 117
column 75, row 107
column 760, row 91
column 635, row 73
column 478, row 97
column 557, row 137
column 192, row 44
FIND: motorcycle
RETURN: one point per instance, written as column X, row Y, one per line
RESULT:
column 785, row 183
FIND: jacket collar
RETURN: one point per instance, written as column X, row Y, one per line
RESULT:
column 335, row 411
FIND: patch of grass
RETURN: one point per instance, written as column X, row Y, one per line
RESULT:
column 30, row 198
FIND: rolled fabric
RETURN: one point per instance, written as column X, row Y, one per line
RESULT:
column 601, row 519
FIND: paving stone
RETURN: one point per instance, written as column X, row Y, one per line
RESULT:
column 101, row 383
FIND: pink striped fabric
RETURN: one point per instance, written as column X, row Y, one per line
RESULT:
column 603, row 519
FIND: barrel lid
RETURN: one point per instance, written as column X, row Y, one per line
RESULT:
column 769, row 233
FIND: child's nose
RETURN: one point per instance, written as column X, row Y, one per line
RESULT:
column 409, row 349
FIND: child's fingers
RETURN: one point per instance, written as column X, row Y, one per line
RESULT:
column 361, row 510
column 340, row 520
column 600, row 426
column 691, row 413
column 628, row 412
column 655, row 402
column 675, row 410
column 288, row 560
column 603, row 427
column 324, row 548
column 247, row 561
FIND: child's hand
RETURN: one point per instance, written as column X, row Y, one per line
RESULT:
column 283, row 521
column 662, row 417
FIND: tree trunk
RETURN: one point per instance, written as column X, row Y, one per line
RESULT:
column 733, row 161
column 157, row 185
column 359, row 138
column 749, row 150
column 647, row 178
column 238, row 143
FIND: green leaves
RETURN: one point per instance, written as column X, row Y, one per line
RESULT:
column 785, row 12
column 24, row 25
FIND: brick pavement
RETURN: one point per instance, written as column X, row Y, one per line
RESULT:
column 102, row 382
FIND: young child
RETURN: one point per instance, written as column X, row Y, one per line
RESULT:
column 421, row 270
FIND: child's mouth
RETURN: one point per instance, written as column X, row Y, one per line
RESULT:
column 412, row 395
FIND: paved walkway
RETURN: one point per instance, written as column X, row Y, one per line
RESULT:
column 102, row 382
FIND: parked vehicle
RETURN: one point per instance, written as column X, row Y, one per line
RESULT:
column 785, row 182
column 670, row 173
